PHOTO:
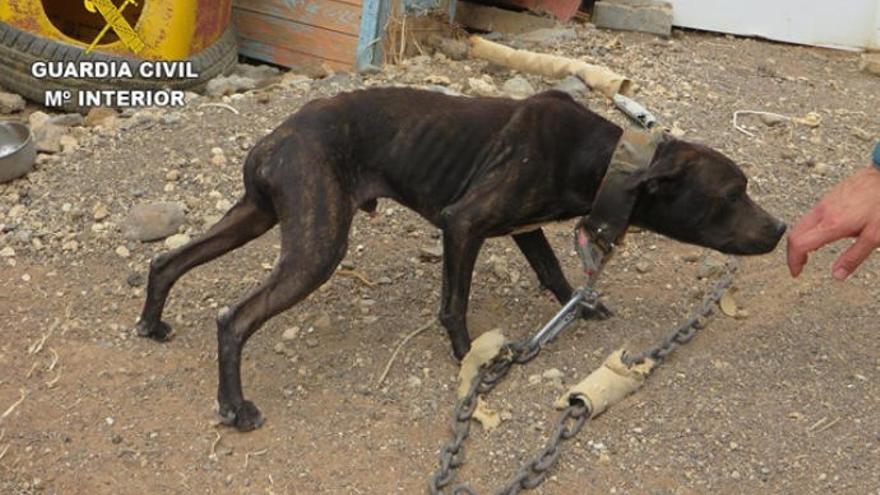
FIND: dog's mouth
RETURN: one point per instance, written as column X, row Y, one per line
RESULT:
column 762, row 243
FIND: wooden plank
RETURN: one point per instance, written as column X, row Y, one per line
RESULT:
column 287, row 58
column 500, row 20
column 330, row 14
column 562, row 9
column 302, row 38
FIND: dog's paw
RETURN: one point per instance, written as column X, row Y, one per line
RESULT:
column 159, row 331
column 460, row 351
column 245, row 417
column 602, row 312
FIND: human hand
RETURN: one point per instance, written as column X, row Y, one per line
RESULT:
column 850, row 209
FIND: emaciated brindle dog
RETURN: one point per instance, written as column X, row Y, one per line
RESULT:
column 475, row 168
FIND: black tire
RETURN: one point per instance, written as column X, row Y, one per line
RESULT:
column 20, row 49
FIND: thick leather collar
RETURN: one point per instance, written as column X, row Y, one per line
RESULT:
column 614, row 202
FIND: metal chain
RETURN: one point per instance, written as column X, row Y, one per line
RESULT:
column 686, row 331
column 572, row 419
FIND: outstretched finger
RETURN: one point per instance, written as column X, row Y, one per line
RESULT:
column 801, row 244
column 796, row 254
column 808, row 222
column 853, row 257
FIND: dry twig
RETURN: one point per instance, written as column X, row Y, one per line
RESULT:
column 399, row 347
column 213, row 455
column 221, row 105
column 13, row 406
column 358, row 275
column 51, row 383
column 248, row 455
column 54, row 360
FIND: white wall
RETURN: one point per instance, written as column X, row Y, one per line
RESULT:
column 835, row 23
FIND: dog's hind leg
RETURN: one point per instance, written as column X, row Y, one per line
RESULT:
column 543, row 261
column 314, row 219
column 243, row 222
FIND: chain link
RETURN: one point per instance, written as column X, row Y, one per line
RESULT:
column 686, row 331
column 572, row 419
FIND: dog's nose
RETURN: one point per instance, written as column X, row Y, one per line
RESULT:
column 779, row 227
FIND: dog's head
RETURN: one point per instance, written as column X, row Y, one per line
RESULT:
column 697, row 195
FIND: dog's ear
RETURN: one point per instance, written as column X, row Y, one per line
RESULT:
column 662, row 175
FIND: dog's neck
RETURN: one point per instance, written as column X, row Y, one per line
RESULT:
column 615, row 198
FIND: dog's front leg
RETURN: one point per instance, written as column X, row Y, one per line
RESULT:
column 537, row 250
column 460, row 250
column 543, row 261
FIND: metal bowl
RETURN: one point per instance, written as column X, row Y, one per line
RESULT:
column 17, row 151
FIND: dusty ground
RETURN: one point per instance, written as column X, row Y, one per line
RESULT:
column 782, row 401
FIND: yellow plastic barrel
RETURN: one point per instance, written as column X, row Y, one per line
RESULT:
column 147, row 29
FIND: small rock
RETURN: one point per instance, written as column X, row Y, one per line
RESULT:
column 413, row 382
column 17, row 211
column 228, row 85
column 141, row 119
column 383, row 281
column 68, row 143
column 453, row 48
column 37, row 120
column 481, row 87
column 123, row 252
column 135, row 280
column 172, row 175
column 432, row 254
column 870, row 63
column 11, row 103
column 171, row 118
column 822, row 168
column 573, row 86
column 7, row 252
column 218, row 158
column 67, row 120
column 153, row 221
column 176, row 241
column 223, row 205
column 862, row 135
column 552, row 374
column 518, row 87
column 437, row 79
column 312, row 342
column 99, row 115
column 643, row 267
column 322, row 322
column 100, row 212
column 48, row 138
column 290, row 334
column 691, row 258
column 499, row 267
